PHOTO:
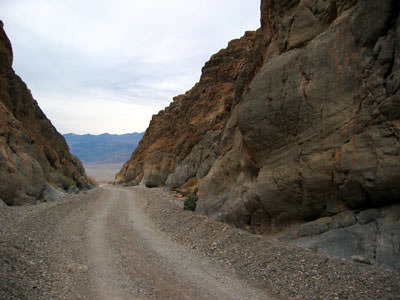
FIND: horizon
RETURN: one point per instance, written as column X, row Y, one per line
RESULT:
column 103, row 133
column 110, row 67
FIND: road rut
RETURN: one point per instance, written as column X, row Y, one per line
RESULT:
column 116, row 252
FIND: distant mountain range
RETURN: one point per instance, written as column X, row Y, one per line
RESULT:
column 103, row 148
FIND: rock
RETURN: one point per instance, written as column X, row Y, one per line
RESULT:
column 308, row 20
column 361, row 259
column 175, row 145
column 197, row 163
column 31, row 150
column 51, row 193
column 75, row 267
column 391, row 213
column 388, row 238
column 308, row 138
column 313, row 228
column 374, row 239
column 367, row 216
column 356, row 240
column 388, row 244
column 344, row 219
column 2, row 204
column 73, row 189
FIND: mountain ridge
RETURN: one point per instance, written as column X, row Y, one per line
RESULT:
column 103, row 148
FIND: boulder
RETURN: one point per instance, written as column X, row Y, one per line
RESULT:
column 369, row 236
column 51, row 193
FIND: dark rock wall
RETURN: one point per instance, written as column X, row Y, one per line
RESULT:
column 318, row 131
column 33, row 155
column 316, row 135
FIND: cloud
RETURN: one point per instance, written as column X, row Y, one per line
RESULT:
column 97, row 115
column 128, row 52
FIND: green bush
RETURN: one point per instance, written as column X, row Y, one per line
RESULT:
column 66, row 182
column 190, row 202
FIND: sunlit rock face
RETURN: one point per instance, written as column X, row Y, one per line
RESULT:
column 35, row 163
column 312, row 130
column 182, row 140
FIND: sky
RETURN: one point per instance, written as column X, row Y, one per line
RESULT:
column 98, row 66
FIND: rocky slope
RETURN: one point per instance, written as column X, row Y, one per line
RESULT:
column 34, row 158
column 189, row 128
column 312, row 130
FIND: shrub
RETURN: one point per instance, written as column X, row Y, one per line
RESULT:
column 66, row 182
column 190, row 202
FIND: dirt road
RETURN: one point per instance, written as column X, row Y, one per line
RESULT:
column 127, row 257
column 107, row 248
column 137, row 243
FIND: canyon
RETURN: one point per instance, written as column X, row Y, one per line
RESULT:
column 289, row 142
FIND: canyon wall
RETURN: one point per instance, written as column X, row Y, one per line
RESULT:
column 190, row 127
column 318, row 130
column 35, row 163
column 311, row 132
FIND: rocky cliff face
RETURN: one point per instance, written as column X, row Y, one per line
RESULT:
column 313, row 130
column 34, row 158
column 190, row 128
column 317, row 131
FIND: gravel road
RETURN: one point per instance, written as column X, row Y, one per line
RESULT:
column 138, row 243
column 105, row 247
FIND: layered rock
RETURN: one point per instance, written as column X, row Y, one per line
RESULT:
column 314, row 129
column 35, row 163
column 192, row 123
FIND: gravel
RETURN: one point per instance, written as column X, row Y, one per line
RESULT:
column 35, row 253
column 287, row 271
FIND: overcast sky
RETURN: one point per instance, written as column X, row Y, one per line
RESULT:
column 99, row 66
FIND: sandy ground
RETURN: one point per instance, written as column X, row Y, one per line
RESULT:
column 138, row 243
